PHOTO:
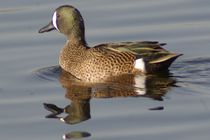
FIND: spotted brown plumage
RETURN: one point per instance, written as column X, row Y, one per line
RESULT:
column 100, row 63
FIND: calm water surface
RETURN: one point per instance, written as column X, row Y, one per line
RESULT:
column 173, row 106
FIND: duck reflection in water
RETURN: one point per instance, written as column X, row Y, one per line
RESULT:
column 80, row 94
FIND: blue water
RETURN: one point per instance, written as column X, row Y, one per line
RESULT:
column 176, row 106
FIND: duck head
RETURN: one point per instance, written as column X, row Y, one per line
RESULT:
column 67, row 20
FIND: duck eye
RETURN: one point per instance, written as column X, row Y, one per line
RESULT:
column 58, row 16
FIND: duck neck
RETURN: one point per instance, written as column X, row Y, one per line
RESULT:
column 77, row 36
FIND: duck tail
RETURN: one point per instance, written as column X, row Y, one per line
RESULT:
column 162, row 64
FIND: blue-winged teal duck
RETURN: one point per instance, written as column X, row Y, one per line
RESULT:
column 100, row 63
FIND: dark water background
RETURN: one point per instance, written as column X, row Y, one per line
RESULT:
column 180, row 111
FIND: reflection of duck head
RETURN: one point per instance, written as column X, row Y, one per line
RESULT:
column 78, row 111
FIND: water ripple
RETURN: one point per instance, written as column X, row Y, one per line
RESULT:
column 194, row 74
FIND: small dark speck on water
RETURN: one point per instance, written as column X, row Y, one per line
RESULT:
column 157, row 108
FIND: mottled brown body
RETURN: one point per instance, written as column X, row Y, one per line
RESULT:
column 95, row 64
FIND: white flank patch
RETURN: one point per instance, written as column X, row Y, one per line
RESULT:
column 54, row 20
column 140, row 84
column 62, row 119
column 140, row 64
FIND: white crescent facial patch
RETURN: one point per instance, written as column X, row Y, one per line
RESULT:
column 54, row 20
